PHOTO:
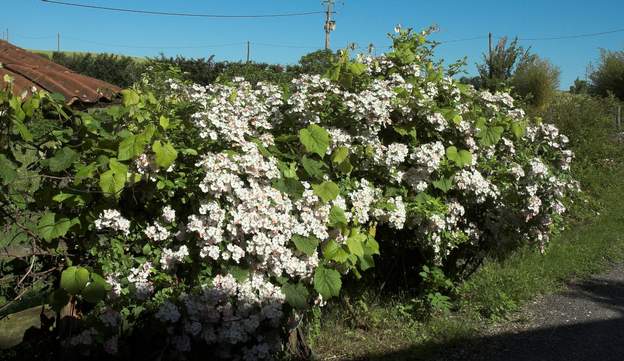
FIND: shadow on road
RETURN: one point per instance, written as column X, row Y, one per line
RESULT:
column 599, row 337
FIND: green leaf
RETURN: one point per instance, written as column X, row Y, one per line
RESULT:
column 518, row 128
column 296, row 295
column 21, row 128
column 84, row 172
column 337, row 217
column 131, row 147
column 112, row 183
column 164, row 122
column 315, row 139
column 327, row 282
column 356, row 68
column 340, row 154
column 58, row 299
column 82, row 277
column 354, row 243
column 165, row 153
column 290, row 186
column 117, row 166
column 327, row 191
column 332, row 251
column 345, row 167
column 7, row 170
column 61, row 197
column 366, row 262
column 371, row 246
column 95, row 290
column 129, row 97
column 443, row 184
column 306, row 245
column 63, row 159
column 462, row 157
column 289, row 170
column 49, row 228
column 489, row 136
column 69, row 282
column 313, row 167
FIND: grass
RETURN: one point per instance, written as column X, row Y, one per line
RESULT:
column 380, row 329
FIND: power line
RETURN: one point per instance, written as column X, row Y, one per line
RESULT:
column 587, row 35
column 285, row 46
column 155, row 46
column 149, row 12
column 462, row 40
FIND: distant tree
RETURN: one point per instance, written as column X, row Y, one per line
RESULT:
column 316, row 62
column 475, row 81
column 256, row 72
column 497, row 69
column 608, row 76
column 199, row 70
column 580, row 87
column 536, row 81
column 120, row 70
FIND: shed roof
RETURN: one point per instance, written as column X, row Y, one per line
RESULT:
column 32, row 70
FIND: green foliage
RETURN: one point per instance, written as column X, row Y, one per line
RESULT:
column 296, row 295
column 462, row 157
column 120, row 70
column 327, row 282
column 327, row 191
column 497, row 69
column 536, row 80
column 315, row 139
column 580, row 87
column 608, row 75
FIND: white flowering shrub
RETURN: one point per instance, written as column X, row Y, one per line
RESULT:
column 204, row 217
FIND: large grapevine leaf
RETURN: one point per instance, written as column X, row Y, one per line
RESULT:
column 315, row 139
column 327, row 282
column 165, row 153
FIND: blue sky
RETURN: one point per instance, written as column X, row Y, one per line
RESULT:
column 34, row 24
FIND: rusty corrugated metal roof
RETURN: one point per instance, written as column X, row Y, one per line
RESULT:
column 32, row 70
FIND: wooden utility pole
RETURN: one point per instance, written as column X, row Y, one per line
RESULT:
column 58, row 42
column 7, row 35
column 330, row 24
column 490, row 54
column 248, row 46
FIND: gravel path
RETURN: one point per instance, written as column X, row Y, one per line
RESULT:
column 586, row 322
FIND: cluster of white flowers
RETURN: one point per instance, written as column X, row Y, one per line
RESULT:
column 438, row 121
column 473, row 182
column 112, row 219
column 168, row 214
column 169, row 258
column 429, row 156
column 139, row 278
column 157, row 232
column 362, row 198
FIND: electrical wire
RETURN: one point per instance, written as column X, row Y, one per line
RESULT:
column 284, row 46
column 577, row 36
column 214, row 16
column 462, row 40
column 155, row 46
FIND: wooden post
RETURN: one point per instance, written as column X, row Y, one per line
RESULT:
column 247, row 51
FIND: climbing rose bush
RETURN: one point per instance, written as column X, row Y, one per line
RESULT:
column 209, row 218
